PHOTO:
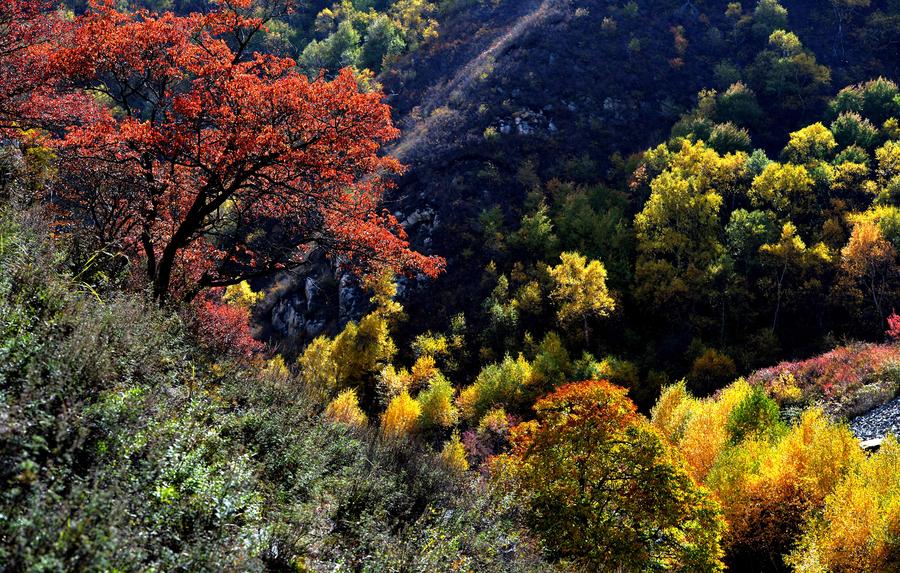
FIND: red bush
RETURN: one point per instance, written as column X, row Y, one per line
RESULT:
column 222, row 328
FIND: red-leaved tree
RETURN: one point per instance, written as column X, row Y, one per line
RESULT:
column 214, row 165
column 29, row 31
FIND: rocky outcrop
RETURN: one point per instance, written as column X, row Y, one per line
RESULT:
column 307, row 303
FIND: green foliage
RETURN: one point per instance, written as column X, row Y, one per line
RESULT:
column 536, row 237
column 756, row 415
column 383, row 42
column 728, row 138
column 738, row 105
column 436, row 401
column 124, row 448
column 852, row 129
column 875, row 100
column 503, row 384
column 339, row 50
column 746, row 232
column 552, row 365
column 769, row 16
column 788, row 75
column 604, row 490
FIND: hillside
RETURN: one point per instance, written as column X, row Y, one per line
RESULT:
column 124, row 445
column 450, row 285
column 519, row 103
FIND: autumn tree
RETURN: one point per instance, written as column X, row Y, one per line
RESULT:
column 875, row 100
column 868, row 259
column 213, row 165
column 580, row 289
column 28, row 94
column 790, row 256
column 787, row 75
column 859, row 529
column 786, row 189
column 604, row 490
column 769, row 485
column 679, row 231
column 401, row 418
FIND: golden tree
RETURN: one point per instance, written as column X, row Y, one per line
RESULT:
column 580, row 288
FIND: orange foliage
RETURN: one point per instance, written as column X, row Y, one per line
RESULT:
column 706, row 433
column 603, row 489
column 768, row 489
column 29, row 30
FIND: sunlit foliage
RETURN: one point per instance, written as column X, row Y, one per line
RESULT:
column 603, row 488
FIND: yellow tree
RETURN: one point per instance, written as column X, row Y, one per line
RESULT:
column 785, row 188
column 868, row 259
column 790, row 254
column 401, row 418
column 859, row 529
column 603, row 488
column 581, row 291
column 345, row 410
column 679, row 231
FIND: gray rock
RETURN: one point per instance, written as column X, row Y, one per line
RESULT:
column 287, row 317
column 313, row 293
column 314, row 328
column 879, row 422
column 418, row 216
column 352, row 302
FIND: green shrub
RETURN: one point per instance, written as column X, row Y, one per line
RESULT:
column 756, row 415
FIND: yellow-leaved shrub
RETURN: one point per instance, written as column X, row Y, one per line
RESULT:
column 672, row 411
column 401, row 418
column 859, row 530
column 345, row 409
column 436, row 403
column 705, row 431
column 242, row 295
column 318, row 369
column 453, row 455
column 500, row 384
column 769, row 487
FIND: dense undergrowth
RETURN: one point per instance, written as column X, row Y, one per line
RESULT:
column 123, row 448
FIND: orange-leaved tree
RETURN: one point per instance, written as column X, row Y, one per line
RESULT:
column 214, row 165
column 603, row 489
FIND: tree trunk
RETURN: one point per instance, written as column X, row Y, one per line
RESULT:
column 778, row 298
column 587, row 334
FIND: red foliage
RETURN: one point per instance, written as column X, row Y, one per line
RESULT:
column 216, row 165
column 223, row 329
column 833, row 375
column 893, row 331
column 29, row 29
